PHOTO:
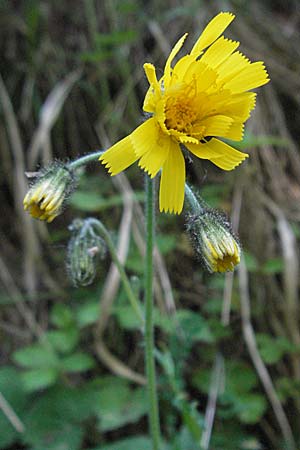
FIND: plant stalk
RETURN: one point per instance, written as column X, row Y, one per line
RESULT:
column 128, row 289
column 149, row 329
column 82, row 160
column 193, row 201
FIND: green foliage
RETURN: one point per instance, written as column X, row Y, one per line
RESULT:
column 139, row 442
column 239, row 398
column 63, row 395
column 272, row 350
column 118, row 405
column 56, row 354
column 11, row 387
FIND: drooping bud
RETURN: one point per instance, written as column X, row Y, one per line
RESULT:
column 214, row 241
column 49, row 191
column 84, row 250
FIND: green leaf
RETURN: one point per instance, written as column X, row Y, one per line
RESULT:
column 61, row 315
column 118, row 405
column 54, row 435
column 184, row 440
column 87, row 313
column 65, row 340
column 194, row 326
column 12, row 389
column 36, row 355
column 127, row 318
column 134, row 443
column 53, row 419
column 287, row 388
column 240, row 378
column 250, row 408
column 36, row 379
column 78, row 362
column 272, row 349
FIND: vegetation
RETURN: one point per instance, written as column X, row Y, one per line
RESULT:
column 227, row 346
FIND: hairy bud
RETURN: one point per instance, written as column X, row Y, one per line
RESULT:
column 84, row 250
column 49, row 191
column 214, row 241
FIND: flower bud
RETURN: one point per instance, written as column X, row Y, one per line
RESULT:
column 84, row 249
column 49, row 191
column 215, row 243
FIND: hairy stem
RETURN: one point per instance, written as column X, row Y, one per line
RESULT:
column 128, row 289
column 149, row 330
column 85, row 159
column 193, row 201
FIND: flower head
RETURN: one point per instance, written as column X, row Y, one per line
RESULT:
column 203, row 97
column 214, row 241
column 48, row 192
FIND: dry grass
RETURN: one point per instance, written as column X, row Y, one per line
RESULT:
column 63, row 92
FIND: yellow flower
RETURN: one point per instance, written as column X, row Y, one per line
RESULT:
column 218, row 249
column 204, row 96
column 47, row 194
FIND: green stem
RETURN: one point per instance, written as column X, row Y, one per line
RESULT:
column 130, row 294
column 85, row 159
column 193, row 201
column 149, row 330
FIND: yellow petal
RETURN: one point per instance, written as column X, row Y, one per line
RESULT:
column 183, row 138
column 204, row 75
column 182, row 66
column 216, row 125
column 228, row 158
column 212, row 31
column 171, row 193
column 239, row 106
column 202, row 151
column 221, row 154
column 119, row 156
column 149, row 101
column 219, row 52
column 232, row 66
column 152, row 161
column 235, row 132
column 151, row 75
column 153, row 92
column 145, row 137
column 252, row 76
column 174, row 51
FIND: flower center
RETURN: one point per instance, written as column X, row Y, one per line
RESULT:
column 180, row 114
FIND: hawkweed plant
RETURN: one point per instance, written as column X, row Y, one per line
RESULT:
column 202, row 98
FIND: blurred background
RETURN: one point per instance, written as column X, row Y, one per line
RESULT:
column 228, row 347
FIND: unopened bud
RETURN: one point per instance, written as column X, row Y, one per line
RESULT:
column 49, row 191
column 84, row 250
column 214, row 241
